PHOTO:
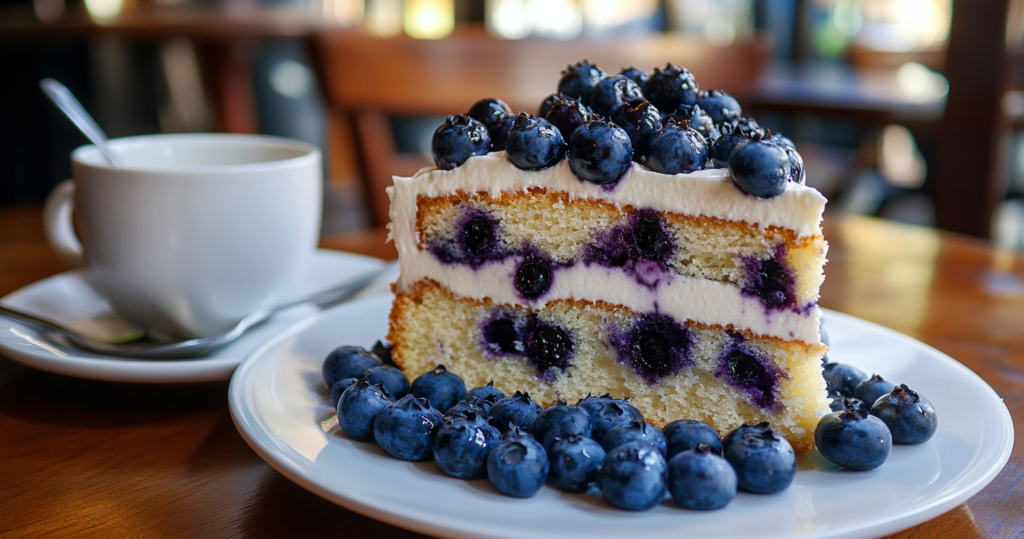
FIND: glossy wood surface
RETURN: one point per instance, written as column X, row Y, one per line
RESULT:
column 84, row 458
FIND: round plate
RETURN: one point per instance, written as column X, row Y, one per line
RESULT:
column 66, row 298
column 283, row 411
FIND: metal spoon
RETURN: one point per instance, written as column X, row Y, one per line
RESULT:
column 73, row 109
column 190, row 348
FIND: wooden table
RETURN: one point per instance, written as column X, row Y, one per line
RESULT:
column 84, row 458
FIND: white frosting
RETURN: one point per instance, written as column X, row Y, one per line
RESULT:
column 708, row 192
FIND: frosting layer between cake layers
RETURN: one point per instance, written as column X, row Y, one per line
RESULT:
column 708, row 193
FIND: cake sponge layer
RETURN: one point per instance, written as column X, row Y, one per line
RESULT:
column 718, row 376
column 568, row 230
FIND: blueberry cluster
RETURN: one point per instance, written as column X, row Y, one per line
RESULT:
column 869, row 414
column 519, row 446
column 604, row 123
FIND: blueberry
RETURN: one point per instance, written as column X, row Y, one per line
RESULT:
column 579, row 80
column 593, row 404
column 650, row 236
column 457, row 139
column 656, row 347
column 844, row 378
column 910, row 417
column 600, row 152
column 733, row 133
column 439, row 387
column 383, row 351
column 491, row 112
column 548, row 102
column 764, row 462
column 741, row 431
column 358, row 408
column 575, row 460
column 485, row 391
column 392, row 379
column 698, row 119
column 779, row 139
column 339, row 387
column 635, row 75
column 612, row 92
column 478, row 238
column 461, row 445
column 633, row 476
column 720, row 106
column 745, row 126
column 796, row 167
column 478, row 405
column 533, row 143
column 501, row 337
column 548, row 347
column 519, row 410
column 685, row 434
column 853, row 439
column 700, row 479
column 676, row 149
column 518, row 465
column 847, row 403
column 404, row 428
column 640, row 120
column 567, row 114
column 488, row 111
column 796, row 163
column 346, row 362
column 671, row 87
column 871, row 389
column 499, row 133
column 759, row 168
column 771, row 280
column 611, row 414
column 750, row 372
column 558, row 421
column 634, row 430
column 533, row 277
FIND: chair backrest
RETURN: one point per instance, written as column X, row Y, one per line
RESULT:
column 374, row 78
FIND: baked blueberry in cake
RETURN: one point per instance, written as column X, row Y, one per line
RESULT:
column 566, row 266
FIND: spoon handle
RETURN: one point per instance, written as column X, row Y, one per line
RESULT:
column 42, row 324
column 73, row 109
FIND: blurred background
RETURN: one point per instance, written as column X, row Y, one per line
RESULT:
column 910, row 110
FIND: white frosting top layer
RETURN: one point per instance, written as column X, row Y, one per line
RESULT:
column 709, row 192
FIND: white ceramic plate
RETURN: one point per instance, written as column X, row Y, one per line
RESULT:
column 281, row 408
column 66, row 298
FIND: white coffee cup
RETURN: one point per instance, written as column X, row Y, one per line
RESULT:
column 195, row 231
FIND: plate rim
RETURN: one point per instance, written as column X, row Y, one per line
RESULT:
column 919, row 515
column 110, row 369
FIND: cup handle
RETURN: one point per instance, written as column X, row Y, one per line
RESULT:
column 57, row 224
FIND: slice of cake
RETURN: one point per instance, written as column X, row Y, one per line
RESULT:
column 547, row 270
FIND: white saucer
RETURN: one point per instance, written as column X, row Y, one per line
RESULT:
column 279, row 405
column 66, row 298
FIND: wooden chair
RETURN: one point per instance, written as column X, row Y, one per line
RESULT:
column 371, row 79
